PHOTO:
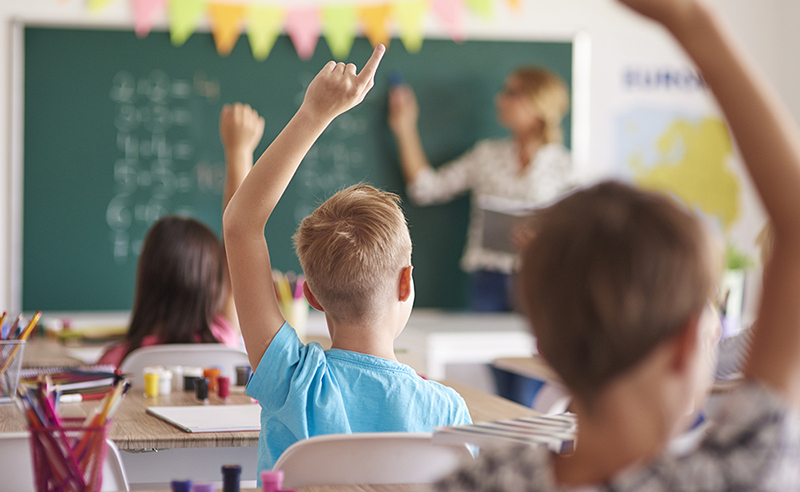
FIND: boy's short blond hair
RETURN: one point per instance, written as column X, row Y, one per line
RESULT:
column 612, row 272
column 352, row 249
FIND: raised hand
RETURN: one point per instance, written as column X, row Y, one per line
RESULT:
column 403, row 109
column 240, row 128
column 337, row 87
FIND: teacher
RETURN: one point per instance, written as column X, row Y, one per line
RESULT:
column 507, row 177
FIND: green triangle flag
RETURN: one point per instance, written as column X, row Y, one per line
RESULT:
column 264, row 24
column 483, row 8
column 339, row 24
column 410, row 16
column 184, row 15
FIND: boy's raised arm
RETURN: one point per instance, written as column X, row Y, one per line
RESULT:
column 769, row 142
column 335, row 89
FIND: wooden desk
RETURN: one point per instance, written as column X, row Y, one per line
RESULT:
column 200, row 455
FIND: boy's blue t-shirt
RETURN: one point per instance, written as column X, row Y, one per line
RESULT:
column 306, row 391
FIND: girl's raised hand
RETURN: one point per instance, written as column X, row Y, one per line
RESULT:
column 337, row 87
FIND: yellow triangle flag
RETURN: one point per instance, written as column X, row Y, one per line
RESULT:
column 374, row 18
column 482, row 8
column 184, row 15
column 226, row 25
column 264, row 24
column 97, row 5
column 339, row 24
column 410, row 16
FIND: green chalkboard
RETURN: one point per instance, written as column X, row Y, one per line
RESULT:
column 120, row 130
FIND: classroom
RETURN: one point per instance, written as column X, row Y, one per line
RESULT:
column 617, row 88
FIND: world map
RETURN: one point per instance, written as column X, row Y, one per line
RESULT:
column 685, row 156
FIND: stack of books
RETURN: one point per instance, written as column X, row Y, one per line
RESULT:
column 557, row 432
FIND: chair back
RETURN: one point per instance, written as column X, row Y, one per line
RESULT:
column 16, row 465
column 183, row 354
column 368, row 458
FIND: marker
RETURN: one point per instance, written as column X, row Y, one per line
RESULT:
column 396, row 78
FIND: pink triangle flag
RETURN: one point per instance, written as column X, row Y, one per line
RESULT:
column 451, row 15
column 144, row 14
column 303, row 27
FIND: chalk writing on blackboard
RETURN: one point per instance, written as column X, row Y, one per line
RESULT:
column 157, row 170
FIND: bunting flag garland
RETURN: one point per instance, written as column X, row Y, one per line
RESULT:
column 339, row 24
column 264, row 25
column 144, row 13
column 184, row 16
column 226, row 25
column 375, row 19
column 302, row 26
column 410, row 17
column 451, row 15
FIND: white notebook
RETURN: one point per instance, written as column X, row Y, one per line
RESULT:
column 211, row 418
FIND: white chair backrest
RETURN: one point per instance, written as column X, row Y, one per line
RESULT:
column 180, row 354
column 368, row 458
column 16, row 465
column 551, row 399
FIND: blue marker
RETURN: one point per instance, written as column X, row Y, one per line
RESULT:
column 396, row 78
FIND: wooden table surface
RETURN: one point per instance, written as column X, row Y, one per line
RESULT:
column 133, row 429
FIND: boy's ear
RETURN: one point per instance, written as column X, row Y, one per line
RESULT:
column 312, row 301
column 405, row 286
column 685, row 343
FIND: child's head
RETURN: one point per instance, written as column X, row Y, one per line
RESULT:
column 534, row 95
column 178, row 282
column 611, row 274
column 353, row 249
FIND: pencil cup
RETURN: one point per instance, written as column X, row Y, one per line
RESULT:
column 68, row 458
column 10, row 364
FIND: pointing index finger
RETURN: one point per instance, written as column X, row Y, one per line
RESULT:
column 371, row 67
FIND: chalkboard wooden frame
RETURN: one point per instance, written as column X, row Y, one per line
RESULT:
column 579, row 65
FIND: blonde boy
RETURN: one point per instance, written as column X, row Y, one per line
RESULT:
column 617, row 285
column 355, row 250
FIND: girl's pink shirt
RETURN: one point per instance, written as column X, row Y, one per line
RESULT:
column 220, row 328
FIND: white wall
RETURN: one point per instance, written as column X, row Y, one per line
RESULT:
column 616, row 36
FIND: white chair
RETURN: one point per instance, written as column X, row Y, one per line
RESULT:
column 180, row 354
column 551, row 399
column 368, row 458
column 16, row 465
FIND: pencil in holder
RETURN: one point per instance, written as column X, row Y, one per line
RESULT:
column 68, row 458
column 10, row 364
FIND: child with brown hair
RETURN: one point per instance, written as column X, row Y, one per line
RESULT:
column 355, row 251
column 617, row 285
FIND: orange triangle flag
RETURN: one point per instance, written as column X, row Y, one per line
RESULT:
column 375, row 20
column 226, row 25
column 515, row 4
